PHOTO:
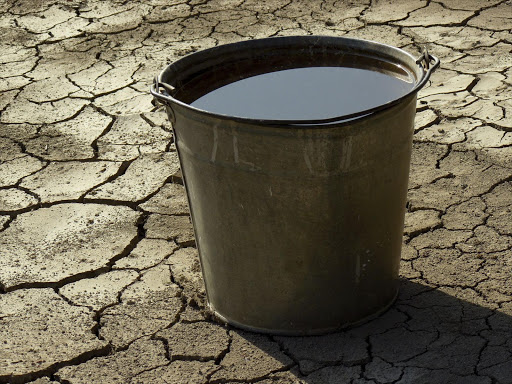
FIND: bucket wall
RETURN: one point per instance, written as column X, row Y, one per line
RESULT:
column 299, row 229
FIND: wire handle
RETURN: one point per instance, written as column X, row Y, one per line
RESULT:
column 426, row 58
column 164, row 97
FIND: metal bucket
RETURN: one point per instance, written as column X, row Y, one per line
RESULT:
column 298, row 223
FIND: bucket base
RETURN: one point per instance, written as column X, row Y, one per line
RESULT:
column 307, row 332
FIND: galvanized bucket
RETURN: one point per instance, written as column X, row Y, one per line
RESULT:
column 298, row 222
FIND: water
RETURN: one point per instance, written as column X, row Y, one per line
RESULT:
column 305, row 93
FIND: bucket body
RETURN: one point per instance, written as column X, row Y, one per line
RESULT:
column 299, row 226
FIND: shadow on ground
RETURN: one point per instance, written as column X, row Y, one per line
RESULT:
column 429, row 336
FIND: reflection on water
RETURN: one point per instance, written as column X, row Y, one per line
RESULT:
column 305, row 93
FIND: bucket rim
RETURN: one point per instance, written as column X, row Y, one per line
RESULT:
column 426, row 64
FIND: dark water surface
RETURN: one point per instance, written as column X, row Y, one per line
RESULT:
column 305, row 93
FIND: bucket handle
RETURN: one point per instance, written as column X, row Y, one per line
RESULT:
column 426, row 61
column 163, row 98
column 429, row 64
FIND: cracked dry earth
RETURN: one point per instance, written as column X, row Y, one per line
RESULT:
column 99, row 277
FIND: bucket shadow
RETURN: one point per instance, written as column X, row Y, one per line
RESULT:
column 429, row 336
